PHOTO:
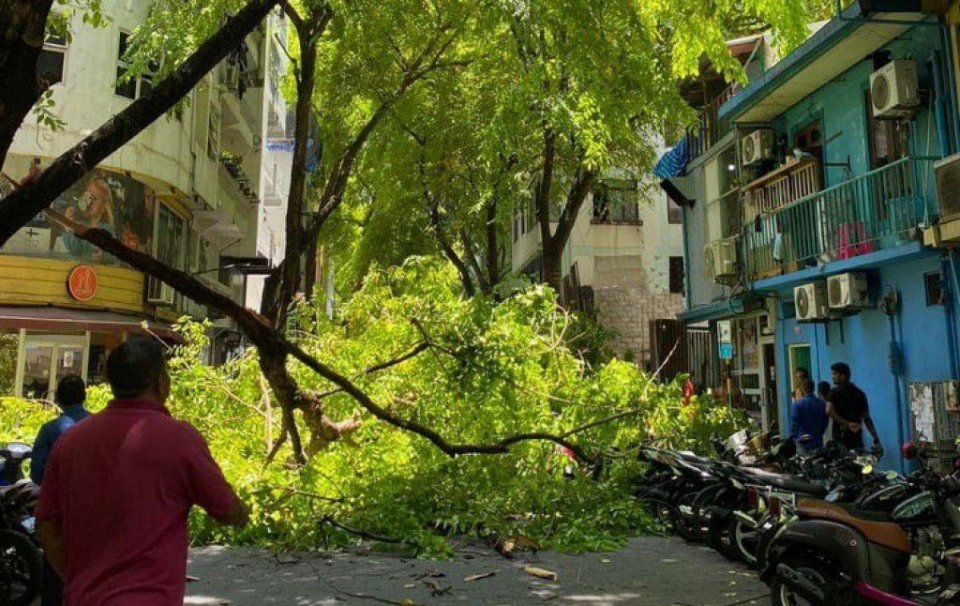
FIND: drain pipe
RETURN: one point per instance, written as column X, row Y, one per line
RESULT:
column 950, row 299
column 950, row 89
column 955, row 297
column 890, row 306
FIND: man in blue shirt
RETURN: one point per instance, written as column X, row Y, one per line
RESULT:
column 70, row 396
column 808, row 418
column 71, row 393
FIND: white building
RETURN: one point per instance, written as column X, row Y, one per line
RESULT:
column 623, row 262
column 187, row 190
column 277, row 157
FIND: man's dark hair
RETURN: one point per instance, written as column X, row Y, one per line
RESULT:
column 841, row 368
column 806, row 386
column 70, row 391
column 823, row 389
column 134, row 367
column 803, row 372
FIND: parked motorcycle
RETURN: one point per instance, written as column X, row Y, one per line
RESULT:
column 830, row 553
column 21, row 562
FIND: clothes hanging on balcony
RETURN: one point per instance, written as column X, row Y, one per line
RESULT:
column 674, row 162
column 853, row 241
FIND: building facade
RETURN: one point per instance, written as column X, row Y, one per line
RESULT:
column 623, row 261
column 813, row 225
column 186, row 190
column 277, row 157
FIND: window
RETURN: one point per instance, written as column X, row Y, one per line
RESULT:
column 51, row 60
column 213, row 132
column 674, row 212
column 933, row 287
column 676, row 275
column 170, row 247
column 884, row 137
column 126, row 88
column 133, row 88
column 616, row 201
column 723, row 197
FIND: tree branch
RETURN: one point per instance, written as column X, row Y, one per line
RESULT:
column 23, row 204
column 381, row 366
column 273, row 346
column 581, row 186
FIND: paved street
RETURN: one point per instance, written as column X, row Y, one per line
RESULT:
column 650, row 571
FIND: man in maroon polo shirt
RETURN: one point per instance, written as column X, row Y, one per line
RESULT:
column 112, row 515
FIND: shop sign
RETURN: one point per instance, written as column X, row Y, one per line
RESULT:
column 82, row 283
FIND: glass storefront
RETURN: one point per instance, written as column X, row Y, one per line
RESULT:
column 32, row 362
column 46, row 359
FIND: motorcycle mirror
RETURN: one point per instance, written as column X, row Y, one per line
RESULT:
column 890, row 476
column 17, row 448
column 867, row 469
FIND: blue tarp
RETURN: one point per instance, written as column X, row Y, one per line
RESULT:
column 674, row 162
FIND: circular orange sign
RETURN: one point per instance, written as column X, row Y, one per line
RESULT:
column 82, row 283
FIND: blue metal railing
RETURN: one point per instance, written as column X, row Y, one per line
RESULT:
column 873, row 211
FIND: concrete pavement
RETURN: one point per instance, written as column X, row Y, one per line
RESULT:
column 649, row 571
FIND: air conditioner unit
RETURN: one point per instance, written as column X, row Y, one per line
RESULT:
column 756, row 147
column 811, row 302
column 848, row 291
column 894, row 89
column 720, row 258
column 947, row 175
column 159, row 293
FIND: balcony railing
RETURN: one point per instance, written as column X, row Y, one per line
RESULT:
column 877, row 210
column 783, row 186
column 708, row 130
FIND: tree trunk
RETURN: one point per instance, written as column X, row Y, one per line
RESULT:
column 21, row 40
column 553, row 269
column 290, row 278
column 492, row 256
column 31, row 198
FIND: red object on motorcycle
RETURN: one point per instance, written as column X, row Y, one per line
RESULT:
column 909, row 451
column 753, row 498
column 775, row 506
column 876, row 596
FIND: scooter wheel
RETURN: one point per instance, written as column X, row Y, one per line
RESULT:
column 743, row 542
column 21, row 569
column 685, row 519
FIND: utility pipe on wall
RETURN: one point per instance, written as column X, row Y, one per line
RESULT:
column 949, row 301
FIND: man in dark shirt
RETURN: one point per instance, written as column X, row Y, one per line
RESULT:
column 849, row 410
column 808, row 418
column 70, row 396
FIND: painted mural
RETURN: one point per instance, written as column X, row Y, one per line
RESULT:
column 115, row 202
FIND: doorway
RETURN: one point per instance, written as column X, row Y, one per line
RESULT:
column 48, row 358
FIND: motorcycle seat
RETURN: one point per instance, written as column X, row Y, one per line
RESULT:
column 886, row 534
column 791, row 483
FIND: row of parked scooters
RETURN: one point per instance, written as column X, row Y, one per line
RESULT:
column 823, row 528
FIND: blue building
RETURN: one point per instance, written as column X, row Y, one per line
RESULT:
column 814, row 229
